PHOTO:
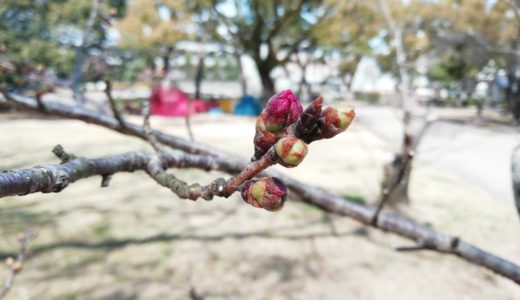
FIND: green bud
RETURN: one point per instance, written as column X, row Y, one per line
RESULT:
column 291, row 151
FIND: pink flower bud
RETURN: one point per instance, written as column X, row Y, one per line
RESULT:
column 336, row 120
column 291, row 151
column 283, row 109
column 268, row 193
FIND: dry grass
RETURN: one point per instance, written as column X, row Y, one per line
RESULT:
column 135, row 240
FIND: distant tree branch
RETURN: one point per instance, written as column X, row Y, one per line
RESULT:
column 15, row 265
column 215, row 159
column 113, row 104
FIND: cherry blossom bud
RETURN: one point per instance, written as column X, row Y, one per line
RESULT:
column 9, row 262
column 336, row 120
column 17, row 267
column 283, row 109
column 263, row 141
column 291, row 151
column 268, row 193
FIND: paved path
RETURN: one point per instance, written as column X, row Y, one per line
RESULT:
column 479, row 156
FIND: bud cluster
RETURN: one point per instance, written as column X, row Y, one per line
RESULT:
column 316, row 124
column 286, row 129
column 283, row 110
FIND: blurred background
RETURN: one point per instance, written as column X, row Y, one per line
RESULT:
column 444, row 73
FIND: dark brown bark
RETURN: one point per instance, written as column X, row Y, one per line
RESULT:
column 166, row 60
column 513, row 95
column 264, row 70
column 199, row 75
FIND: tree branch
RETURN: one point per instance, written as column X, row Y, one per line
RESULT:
column 323, row 199
column 55, row 178
column 16, row 265
column 113, row 105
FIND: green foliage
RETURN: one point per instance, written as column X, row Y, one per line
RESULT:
column 270, row 31
column 370, row 97
column 150, row 26
column 355, row 198
column 43, row 34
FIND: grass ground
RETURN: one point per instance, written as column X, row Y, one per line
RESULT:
column 136, row 240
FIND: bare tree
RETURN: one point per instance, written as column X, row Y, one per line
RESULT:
column 80, row 51
column 397, row 173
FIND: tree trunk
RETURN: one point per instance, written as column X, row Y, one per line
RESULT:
column 243, row 81
column 76, row 76
column 391, row 171
column 199, row 75
column 80, row 52
column 394, row 184
column 303, row 81
column 513, row 96
column 166, row 61
column 402, row 162
column 515, row 172
column 264, row 70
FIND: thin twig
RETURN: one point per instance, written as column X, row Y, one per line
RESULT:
column 113, row 104
column 62, row 154
column 218, row 187
column 413, row 248
column 15, row 266
column 150, row 136
column 187, row 120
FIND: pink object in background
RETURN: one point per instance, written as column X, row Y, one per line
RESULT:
column 171, row 101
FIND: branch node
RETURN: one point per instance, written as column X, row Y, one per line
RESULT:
column 105, row 180
column 113, row 104
column 62, row 154
column 454, row 243
column 419, row 247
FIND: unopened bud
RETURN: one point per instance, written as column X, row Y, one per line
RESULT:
column 17, row 267
column 268, row 193
column 263, row 141
column 283, row 109
column 9, row 262
column 291, row 151
column 336, row 120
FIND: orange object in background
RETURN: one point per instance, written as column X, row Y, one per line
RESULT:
column 226, row 105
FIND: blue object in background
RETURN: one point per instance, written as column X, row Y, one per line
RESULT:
column 215, row 111
column 248, row 106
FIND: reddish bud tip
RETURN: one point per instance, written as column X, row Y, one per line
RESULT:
column 268, row 193
column 291, row 151
column 336, row 120
column 283, row 109
column 263, row 141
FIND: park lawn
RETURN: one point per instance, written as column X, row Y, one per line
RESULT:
column 137, row 240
